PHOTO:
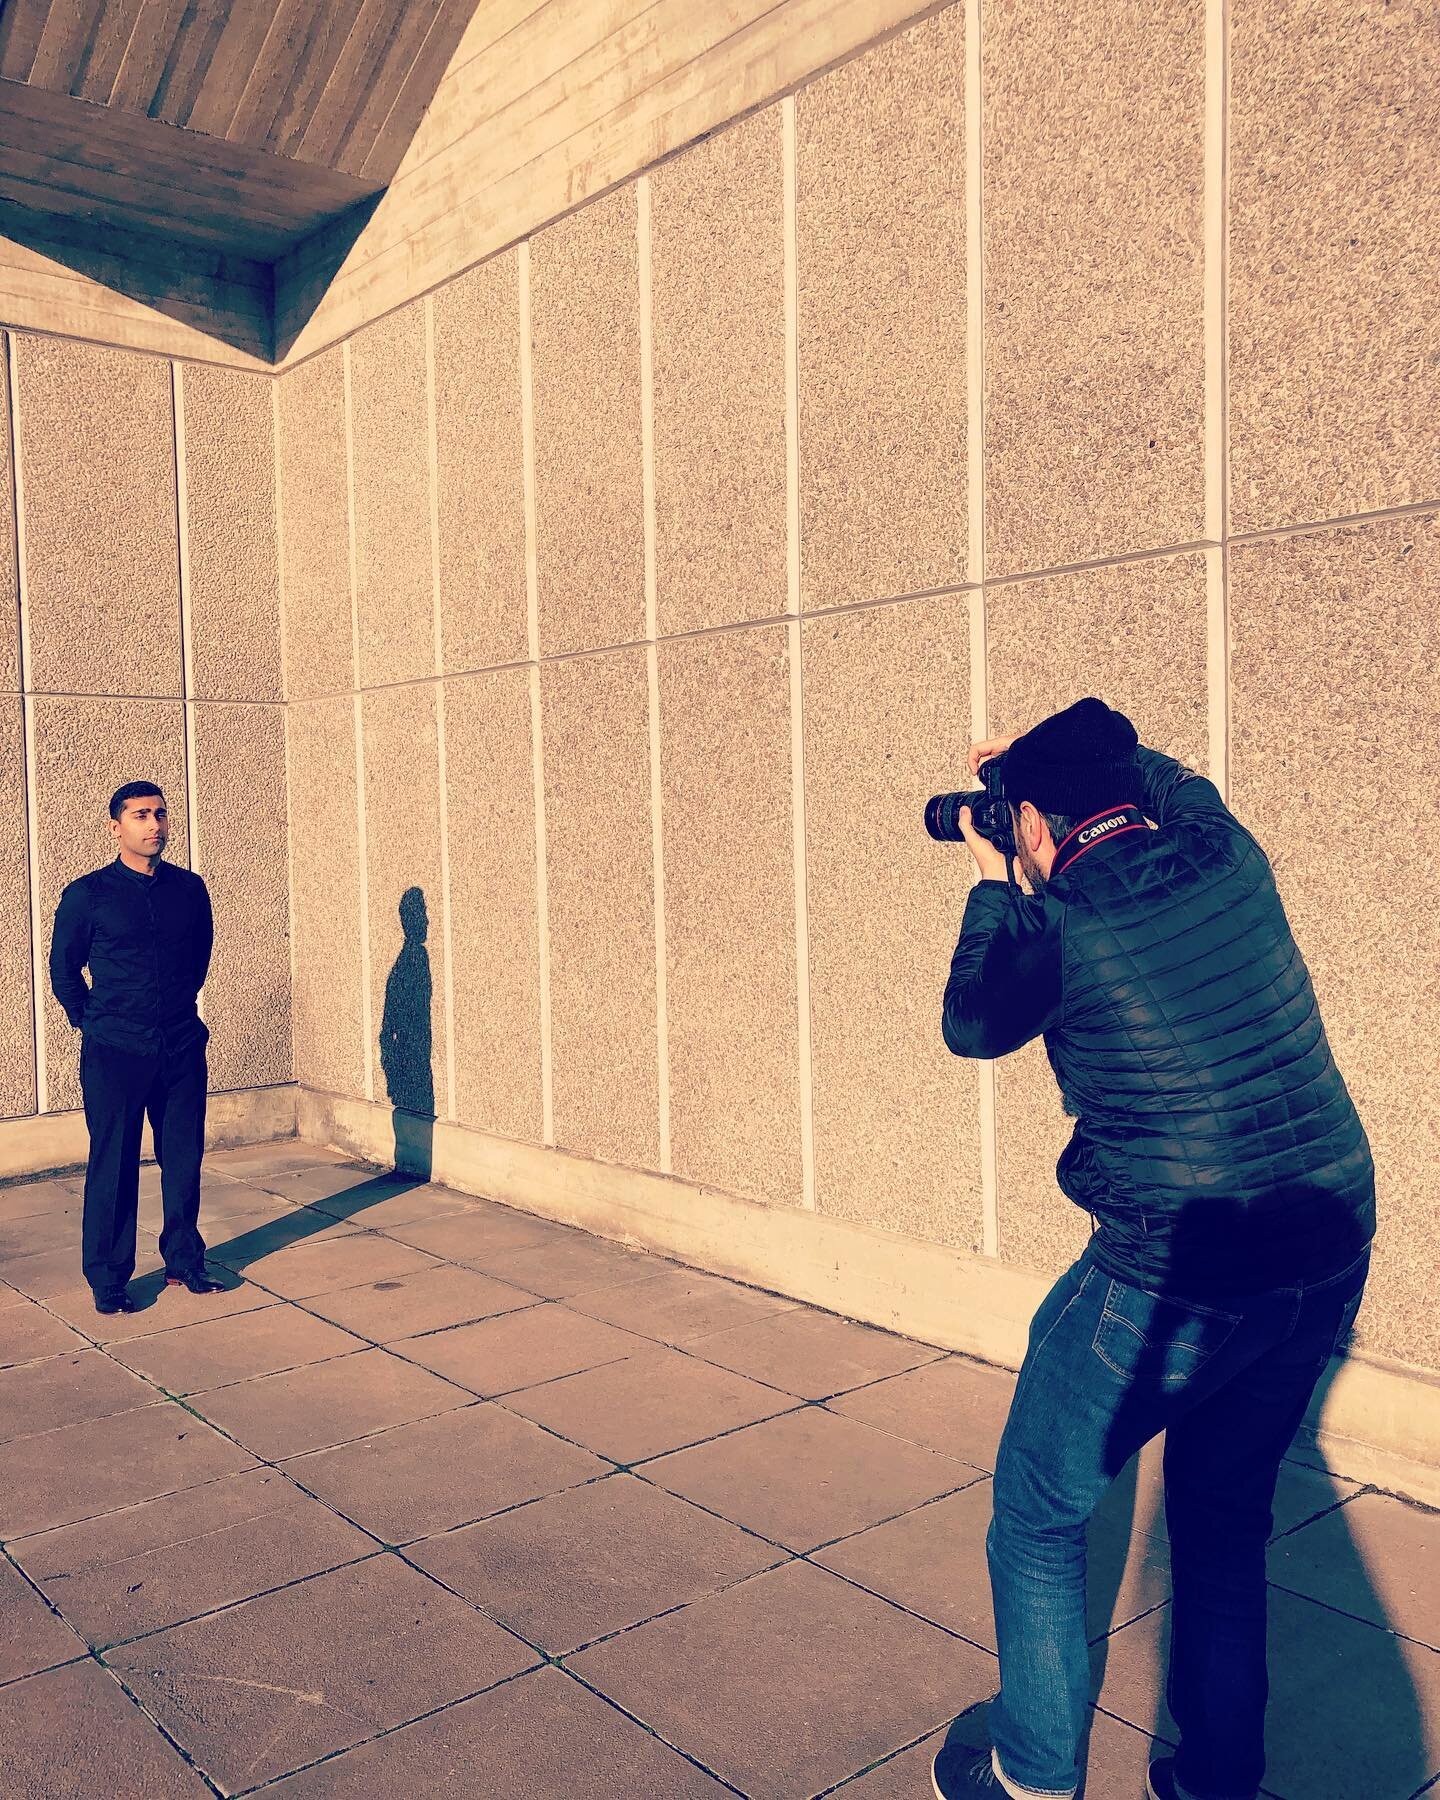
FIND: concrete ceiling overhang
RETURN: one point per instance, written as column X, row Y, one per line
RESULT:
column 179, row 148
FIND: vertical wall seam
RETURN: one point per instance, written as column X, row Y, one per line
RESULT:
column 985, row 1076
column 283, row 623
column 361, row 837
column 38, row 981
column 187, row 665
column 1217, row 449
column 537, row 742
column 805, row 1024
column 447, row 936
column 652, row 661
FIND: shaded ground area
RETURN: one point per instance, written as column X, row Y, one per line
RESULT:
column 446, row 1500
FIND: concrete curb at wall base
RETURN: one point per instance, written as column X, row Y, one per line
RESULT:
column 1378, row 1421
column 39, row 1143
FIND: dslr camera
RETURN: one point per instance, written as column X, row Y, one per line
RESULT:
column 989, row 810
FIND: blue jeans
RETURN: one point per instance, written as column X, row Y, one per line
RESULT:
column 1109, row 1366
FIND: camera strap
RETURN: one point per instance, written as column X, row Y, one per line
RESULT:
column 1099, row 828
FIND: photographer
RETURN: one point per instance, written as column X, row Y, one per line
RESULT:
column 1233, row 1198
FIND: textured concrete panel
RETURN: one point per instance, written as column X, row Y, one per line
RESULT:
column 881, row 230
column 717, row 238
column 494, row 927
column 9, row 584
column 585, row 324
column 481, row 468
column 601, row 895
column 84, row 750
column 233, row 558
column 896, row 1117
column 102, row 560
column 1094, row 305
column 315, row 528
column 240, row 842
column 394, row 587
column 325, row 887
column 1334, row 375
column 407, row 906
column 1134, row 633
column 17, row 1024
column 1311, row 743
column 730, row 911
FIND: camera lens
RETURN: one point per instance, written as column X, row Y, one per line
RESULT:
column 942, row 816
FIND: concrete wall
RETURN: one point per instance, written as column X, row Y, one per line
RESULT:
column 642, row 583
column 139, row 637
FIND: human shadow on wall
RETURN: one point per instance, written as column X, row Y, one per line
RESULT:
column 405, row 1046
column 1344, row 1716
column 406, row 1042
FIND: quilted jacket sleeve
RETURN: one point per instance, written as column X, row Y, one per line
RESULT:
column 1005, row 977
column 1170, row 791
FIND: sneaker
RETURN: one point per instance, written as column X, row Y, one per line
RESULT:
column 960, row 1774
column 1160, row 1783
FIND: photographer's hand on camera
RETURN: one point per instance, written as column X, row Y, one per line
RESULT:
column 988, row 860
column 982, row 752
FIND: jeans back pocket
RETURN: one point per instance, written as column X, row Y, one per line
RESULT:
column 1162, row 1342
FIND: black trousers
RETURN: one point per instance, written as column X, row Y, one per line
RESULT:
column 120, row 1087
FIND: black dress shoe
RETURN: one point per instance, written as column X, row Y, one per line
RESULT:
column 198, row 1281
column 115, row 1303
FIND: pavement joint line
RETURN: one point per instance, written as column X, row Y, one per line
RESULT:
column 385, row 1732
column 651, row 1731
column 146, row 1713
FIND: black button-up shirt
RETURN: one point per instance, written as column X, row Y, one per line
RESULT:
column 147, row 940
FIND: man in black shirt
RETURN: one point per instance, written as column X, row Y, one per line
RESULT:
column 145, row 929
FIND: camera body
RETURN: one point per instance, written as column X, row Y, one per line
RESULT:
column 989, row 810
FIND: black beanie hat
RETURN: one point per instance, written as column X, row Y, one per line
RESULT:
column 1075, row 763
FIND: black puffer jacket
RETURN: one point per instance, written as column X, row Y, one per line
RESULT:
column 1215, row 1143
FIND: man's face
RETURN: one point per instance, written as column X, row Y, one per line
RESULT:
column 143, row 827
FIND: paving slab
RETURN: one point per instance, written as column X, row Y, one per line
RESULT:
column 560, row 1269
column 788, row 1682
column 81, row 1470
column 75, row 1732
column 326, row 1403
column 932, row 1562
column 481, row 1233
column 541, row 1735
column 54, row 1228
column 374, row 1201
column 1353, row 1710
column 811, row 1354
column 28, row 1331
column 334, row 1257
column 158, row 1308
column 35, row 1637
column 952, row 1405
column 427, row 1300
column 441, row 1472
column 521, row 1349
column 809, row 1477
column 47, row 1273
column 272, row 1684
column 680, row 1305
column 25, row 1199
column 193, row 1359
column 1376, row 1557
column 592, row 1560
column 655, row 1401
column 67, row 1390
column 150, row 1566
column 257, row 1162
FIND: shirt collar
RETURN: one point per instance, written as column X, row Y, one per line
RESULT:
column 134, row 874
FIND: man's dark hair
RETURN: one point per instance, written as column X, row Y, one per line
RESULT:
column 132, row 790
